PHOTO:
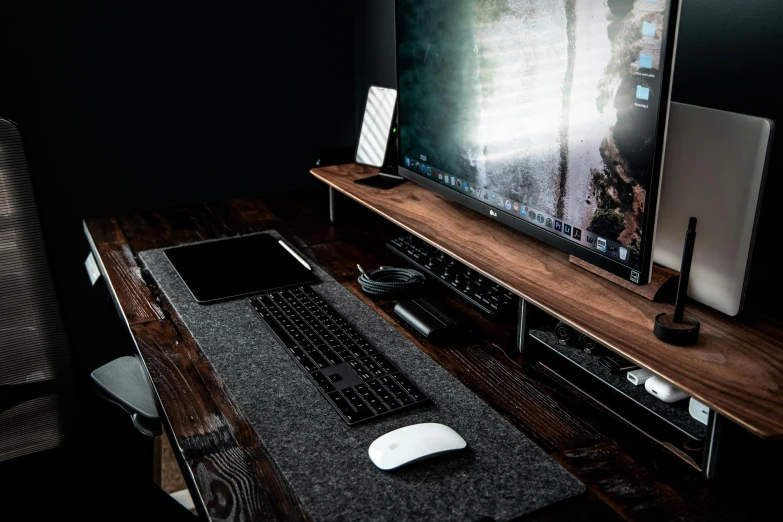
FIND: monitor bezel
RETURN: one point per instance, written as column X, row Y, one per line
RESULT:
column 542, row 234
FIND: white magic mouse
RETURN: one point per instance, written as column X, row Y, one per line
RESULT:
column 414, row 443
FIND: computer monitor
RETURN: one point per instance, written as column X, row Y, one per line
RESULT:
column 549, row 116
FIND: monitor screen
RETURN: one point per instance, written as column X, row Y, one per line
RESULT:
column 551, row 112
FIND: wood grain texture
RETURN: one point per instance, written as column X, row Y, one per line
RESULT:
column 230, row 473
column 735, row 369
column 124, row 275
column 234, row 475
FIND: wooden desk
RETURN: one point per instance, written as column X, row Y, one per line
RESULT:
column 628, row 475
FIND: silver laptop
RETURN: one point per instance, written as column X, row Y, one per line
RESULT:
column 714, row 169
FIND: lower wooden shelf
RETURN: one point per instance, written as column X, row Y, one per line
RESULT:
column 675, row 414
column 669, row 424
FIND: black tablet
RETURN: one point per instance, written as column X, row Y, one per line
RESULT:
column 246, row 265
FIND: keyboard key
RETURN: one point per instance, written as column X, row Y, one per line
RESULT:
column 388, row 381
column 318, row 359
column 355, row 350
column 305, row 361
column 323, row 382
column 345, row 354
column 341, row 403
column 405, row 400
column 330, row 356
column 412, row 390
column 392, row 404
column 363, row 390
column 356, row 366
column 384, row 363
column 354, row 399
column 378, row 406
column 280, row 333
column 371, row 367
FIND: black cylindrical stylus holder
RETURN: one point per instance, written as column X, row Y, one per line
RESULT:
column 684, row 333
column 677, row 328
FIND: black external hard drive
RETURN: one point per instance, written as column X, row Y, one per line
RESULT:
column 431, row 320
column 616, row 364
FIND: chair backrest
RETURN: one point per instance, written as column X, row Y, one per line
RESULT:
column 37, row 392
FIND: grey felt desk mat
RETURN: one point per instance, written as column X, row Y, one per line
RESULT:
column 501, row 474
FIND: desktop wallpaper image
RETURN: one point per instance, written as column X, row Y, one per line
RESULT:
column 538, row 101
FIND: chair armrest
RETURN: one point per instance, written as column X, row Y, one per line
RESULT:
column 123, row 382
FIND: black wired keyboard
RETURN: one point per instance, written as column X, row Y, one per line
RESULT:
column 358, row 381
column 484, row 294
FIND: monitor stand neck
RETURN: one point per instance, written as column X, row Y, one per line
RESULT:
column 662, row 288
column 389, row 170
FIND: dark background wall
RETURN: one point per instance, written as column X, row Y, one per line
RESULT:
column 165, row 103
column 728, row 57
column 127, row 105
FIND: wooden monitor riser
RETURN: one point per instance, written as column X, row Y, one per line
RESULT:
column 734, row 368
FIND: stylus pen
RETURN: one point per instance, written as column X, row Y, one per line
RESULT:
column 297, row 256
column 685, row 270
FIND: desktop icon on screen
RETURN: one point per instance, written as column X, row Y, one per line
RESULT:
column 452, row 180
column 440, row 176
column 523, row 211
column 531, row 214
column 601, row 244
column 642, row 93
column 645, row 61
column 649, row 29
column 623, row 254
column 549, row 222
column 558, row 226
column 577, row 235
column 429, row 171
column 516, row 207
column 508, row 204
column 407, row 161
column 459, row 183
column 423, row 168
column 566, row 229
column 541, row 219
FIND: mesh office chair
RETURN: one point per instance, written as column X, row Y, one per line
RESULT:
column 37, row 392
column 38, row 395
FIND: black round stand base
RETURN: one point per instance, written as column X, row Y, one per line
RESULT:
column 685, row 333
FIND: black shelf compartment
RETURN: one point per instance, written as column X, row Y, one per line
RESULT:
column 668, row 424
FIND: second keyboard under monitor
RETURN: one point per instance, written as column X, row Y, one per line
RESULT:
column 484, row 294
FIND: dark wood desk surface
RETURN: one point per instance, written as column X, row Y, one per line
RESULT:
column 628, row 475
